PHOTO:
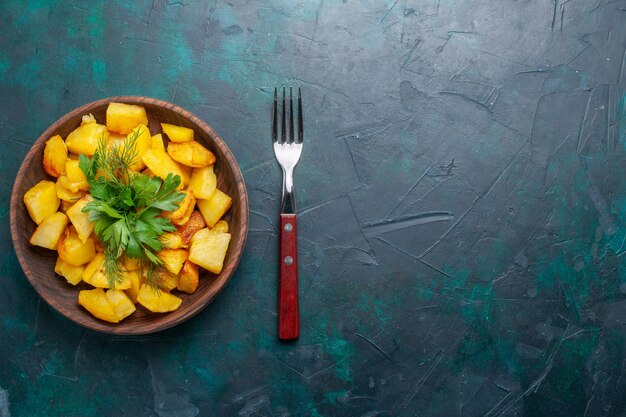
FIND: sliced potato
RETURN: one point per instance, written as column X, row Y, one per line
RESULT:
column 209, row 251
column 49, row 232
column 73, row 274
column 142, row 140
column 75, row 177
column 156, row 143
column 220, row 227
column 171, row 241
column 177, row 133
column 73, row 250
column 161, row 164
column 41, row 200
column 203, row 182
column 214, row 208
column 66, row 194
column 123, row 118
column 168, row 281
column 186, row 231
column 182, row 214
column 156, row 300
column 188, row 278
column 136, row 281
column 96, row 302
column 94, row 265
column 173, row 259
column 65, row 205
column 120, row 302
column 132, row 264
column 80, row 220
column 191, row 154
column 54, row 156
column 85, row 138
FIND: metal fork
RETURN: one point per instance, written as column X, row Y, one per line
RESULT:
column 287, row 150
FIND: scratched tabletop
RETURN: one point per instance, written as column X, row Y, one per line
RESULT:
column 461, row 198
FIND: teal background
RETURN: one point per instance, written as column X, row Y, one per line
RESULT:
column 461, row 196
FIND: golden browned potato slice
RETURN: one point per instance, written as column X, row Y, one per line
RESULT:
column 123, row 118
column 168, row 281
column 73, row 250
column 191, row 154
column 95, row 301
column 209, row 251
column 41, row 201
column 188, row 279
column 142, row 143
column 132, row 264
column 54, row 156
column 203, row 182
column 65, row 205
column 186, row 231
column 156, row 143
column 214, row 208
column 177, row 133
column 84, row 139
column 73, row 274
column 220, row 227
column 120, row 302
column 49, row 232
column 80, row 220
column 173, row 259
column 156, row 300
column 64, row 193
column 182, row 214
column 161, row 164
column 75, row 179
column 136, row 281
column 171, row 241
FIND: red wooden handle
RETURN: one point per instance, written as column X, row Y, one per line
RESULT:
column 288, row 315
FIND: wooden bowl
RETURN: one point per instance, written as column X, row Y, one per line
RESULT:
column 38, row 263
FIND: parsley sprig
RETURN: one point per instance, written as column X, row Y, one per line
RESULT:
column 126, row 208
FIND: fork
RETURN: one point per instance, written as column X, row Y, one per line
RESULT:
column 287, row 151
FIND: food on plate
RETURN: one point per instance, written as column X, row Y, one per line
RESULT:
column 133, row 216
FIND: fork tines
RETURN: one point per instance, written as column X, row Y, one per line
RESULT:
column 284, row 139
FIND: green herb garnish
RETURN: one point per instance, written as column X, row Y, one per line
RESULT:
column 126, row 207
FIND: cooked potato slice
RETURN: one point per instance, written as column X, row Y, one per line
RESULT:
column 73, row 274
column 123, row 118
column 73, row 250
column 156, row 300
column 214, row 208
column 188, row 278
column 100, row 279
column 49, row 232
column 66, row 194
column 75, row 177
column 185, row 173
column 41, row 201
column 186, row 231
column 168, row 281
column 171, row 241
column 120, row 302
column 54, row 156
column 182, row 214
column 84, row 139
column 220, row 227
column 209, row 251
column 191, row 154
column 136, row 281
column 173, row 259
column 142, row 139
column 80, row 220
column 161, row 164
column 156, row 143
column 65, row 205
column 96, row 302
column 132, row 264
column 177, row 133
column 203, row 182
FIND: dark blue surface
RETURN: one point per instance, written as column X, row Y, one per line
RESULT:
column 462, row 206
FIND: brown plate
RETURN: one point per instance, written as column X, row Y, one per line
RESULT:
column 38, row 263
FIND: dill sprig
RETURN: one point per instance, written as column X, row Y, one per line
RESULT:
column 126, row 208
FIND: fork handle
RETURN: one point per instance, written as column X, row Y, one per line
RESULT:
column 288, row 314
